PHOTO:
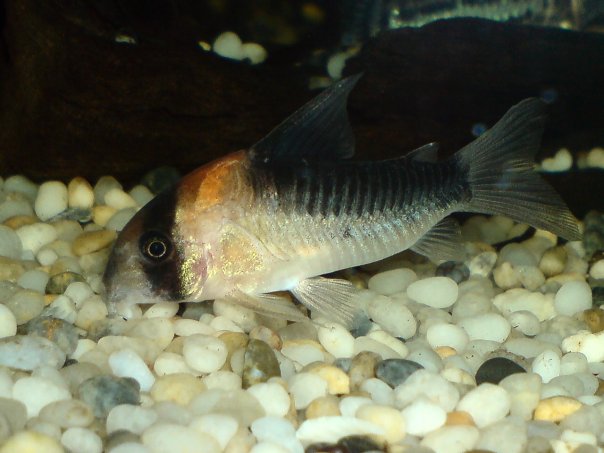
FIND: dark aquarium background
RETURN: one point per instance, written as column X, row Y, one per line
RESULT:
column 123, row 87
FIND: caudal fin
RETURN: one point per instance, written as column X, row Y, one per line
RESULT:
column 499, row 166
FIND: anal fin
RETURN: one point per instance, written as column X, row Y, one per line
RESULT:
column 333, row 298
column 268, row 305
column 441, row 242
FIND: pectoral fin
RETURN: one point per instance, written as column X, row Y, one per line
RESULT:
column 333, row 298
column 442, row 242
column 268, row 305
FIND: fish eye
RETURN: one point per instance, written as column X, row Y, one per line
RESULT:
column 155, row 246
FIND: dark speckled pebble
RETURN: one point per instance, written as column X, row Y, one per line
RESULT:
column 597, row 293
column 324, row 447
column 495, row 369
column 359, row 444
column 396, row 371
column 456, row 271
column 62, row 333
column 103, row 393
column 58, row 283
column 259, row 363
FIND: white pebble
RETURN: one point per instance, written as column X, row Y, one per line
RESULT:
column 82, row 440
column 8, row 323
column 387, row 418
column 141, row 194
column 170, row 438
column 222, row 379
column 10, row 243
column 336, row 340
column 546, row 365
column 306, row 387
column 127, row 363
column 393, row 316
column 277, row 430
column 561, row 161
column 161, row 310
column 526, row 322
column 221, row 427
column 573, row 297
column 432, row 386
column 597, row 270
column 118, row 199
column 427, row 358
column 268, row 447
column 589, row 344
column 525, row 393
column 447, row 335
column 35, row 279
column 118, row 221
column 595, row 158
column 303, row 352
column 80, row 193
column 51, row 199
column 104, row 185
column 253, row 52
column 22, row 185
column 273, row 398
column 391, row 282
column 36, row 235
column 519, row 299
column 423, row 416
column 488, row 326
column 369, row 344
column 333, row 428
column 67, row 413
column 186, row 327
column 573, row 362
column 506, row 436
column 437, row 292
column 204, row 353
column 37, row 392
column 451, row 439
column 130, row 447
column 487, row 404
column 172, row 363
column 380, row 392
column 351, row 404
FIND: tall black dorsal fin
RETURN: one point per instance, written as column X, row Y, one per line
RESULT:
column 319, row 130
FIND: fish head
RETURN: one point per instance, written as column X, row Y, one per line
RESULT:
column 149, row 261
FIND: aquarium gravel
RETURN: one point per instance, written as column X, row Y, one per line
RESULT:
column 503, row 352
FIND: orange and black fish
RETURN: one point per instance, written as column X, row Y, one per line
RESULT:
column 292, row 208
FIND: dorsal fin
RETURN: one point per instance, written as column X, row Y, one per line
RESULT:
column 319, row 130
column 426, row 153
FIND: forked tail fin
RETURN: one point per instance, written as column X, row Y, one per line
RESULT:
column 499, row 166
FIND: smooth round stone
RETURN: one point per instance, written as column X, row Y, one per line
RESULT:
column 268, row 447
column 8, row 322
column 141, row 194
column 276, row 430
column 92, row 241
column 337, row 380
column 525, row 322
column 424, row 383
column 132, row 418
column 508, row 436
column 31, row 441
column 103, row 393
column 25, row 305
column 162, row 310
column 587, row 419
column 392, row 281
column 597, row 270
column 362, row 367
column 368, row 344
column 573, row 297
column 171, row 363
column 305, row 387
column 104, row 185
column 125, row 442
column 298, row 331
column 228, row 45
column 273, row 398
column 21, row 185
column 594, row 318
column 172, row 412
column 322, row 407
column 379, row 391
column 589, row 344
column 447, row 335
column 259, row 363
column 556, row 408
column 396, row 371
column 487, row 404
column 236, row 403
column 437, row 292
column 58, row 283
column 93, row 309
column 267, row 335
column 547, row 365
column 36, row 392
column 303, row 351
column 34, row 279
column 61, row 333
column 483, row 263
column 553, row 261
column 14, row 413
column 331, row 429
column 222, row 379
column 102, row 214
column 572, row 363
column 388, row 418
column 243, row 317
column 488, row 326
column 220, row 427
column 423, row 416
column 118, row 221
column 80, row 193
column 159, row 330
column 118, row 199
column 391, row 342
column 180, row 388
column 456, row 271
column 393, row 316
column 336, row 340
column 204, row 353
column 186, row 327
column 46, row 257
column 169, row 438
column 10, row 243
column 30, row 352
column 127, row 363
column 82, row 440
column 517, row 254
column 67, row 413
column 35, row 236
column 51, row 199
column 495, row 369
column 525, row 393
column 427, row 358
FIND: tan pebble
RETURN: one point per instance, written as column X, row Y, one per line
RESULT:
column 445, row 351
column 388, row 418
column 556, row 408
column 92, row 241
column 338, row 382
column 49, row 298
column 362, row 368
column 18, row 221
column 102, row 213
column 553, row 261
column 323, row 406
column 80, row 193
column 600, row 389
column 459, row 418
column 267, row 335
column 10, row 269
column 594, row 318
column 31, row 442
column 180, row 388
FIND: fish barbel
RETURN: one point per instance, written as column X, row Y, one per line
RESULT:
column 292, row 207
